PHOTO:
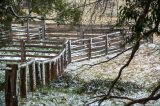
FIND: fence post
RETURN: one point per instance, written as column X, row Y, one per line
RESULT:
column 59, row 66
column 65, row 61
column 47, row 77
column 62, row 63
column 31, row 78
column 43, row 29
column 122, row 44
column 11, row 98
column 52, row 70
column 106, row 44
column 55, row 69
column 23, row 89
column 89, row 48
column 38, row 82
column 28, row 35
column 10, row 33
column 69, row 52
column 23, row 52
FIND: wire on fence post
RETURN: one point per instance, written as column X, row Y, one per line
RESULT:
column 11, row 96
column 23, row 52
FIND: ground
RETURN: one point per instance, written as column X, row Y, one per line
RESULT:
column 81, row 81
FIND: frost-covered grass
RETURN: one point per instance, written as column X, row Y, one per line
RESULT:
column 69, row 83
column 81, row 82
column 72, row 91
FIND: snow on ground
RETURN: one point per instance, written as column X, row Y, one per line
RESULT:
column 144, row 70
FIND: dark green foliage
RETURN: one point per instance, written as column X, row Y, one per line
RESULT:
column 67, row 83
column 140, row 15
column 2, row 85
column 61, row 11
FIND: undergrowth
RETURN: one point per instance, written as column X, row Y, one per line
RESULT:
column 67, row 83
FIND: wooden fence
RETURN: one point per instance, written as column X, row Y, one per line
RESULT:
column 83, row 49
column 23, row 50
column 40, row 29
column 5, row 37
column 28, row 76
column 27, row 31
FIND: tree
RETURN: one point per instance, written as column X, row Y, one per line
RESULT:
column 64, row 12
column 144, row 16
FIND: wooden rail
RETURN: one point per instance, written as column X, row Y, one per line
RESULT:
column 22, row 50
column 38, row 73
column 34, row 74
column 41, row 29
column 97, row 46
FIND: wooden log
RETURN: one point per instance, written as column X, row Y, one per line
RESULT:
column 23, row 89
column 11, row 97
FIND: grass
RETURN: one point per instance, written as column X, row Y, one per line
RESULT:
column 67, row 83
column 73, row 91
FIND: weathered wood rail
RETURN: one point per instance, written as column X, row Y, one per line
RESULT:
column 43, row 30
column 25, row 76
column 28, row 76
column 23, row 50
column 83, row 49
column 5, row 36
column 33, row 74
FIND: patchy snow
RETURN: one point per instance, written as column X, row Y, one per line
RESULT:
column 151, row 45
column 144, row 70
column 158, row 68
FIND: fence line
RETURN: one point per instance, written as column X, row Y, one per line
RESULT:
column 22, row 49
column 97, row 46
column 34, row 74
